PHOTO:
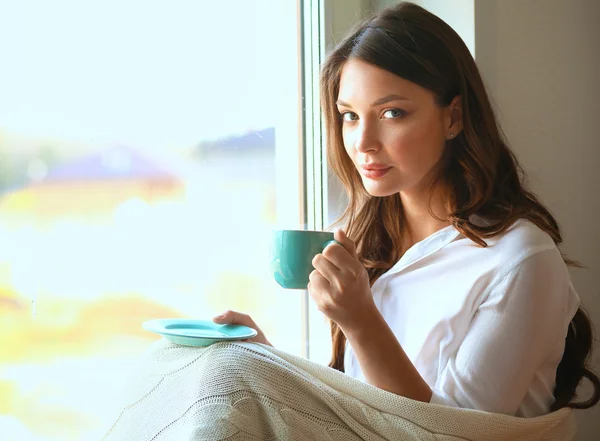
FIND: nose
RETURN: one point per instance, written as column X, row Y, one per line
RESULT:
column 367, row 139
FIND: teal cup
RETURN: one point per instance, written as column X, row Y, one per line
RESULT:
column 292, row 252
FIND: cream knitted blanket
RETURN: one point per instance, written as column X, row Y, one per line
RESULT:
column 247, row 391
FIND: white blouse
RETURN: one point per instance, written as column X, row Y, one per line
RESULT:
column 485, row 327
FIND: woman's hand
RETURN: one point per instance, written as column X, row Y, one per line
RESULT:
column 339, row 285
column 237, row 318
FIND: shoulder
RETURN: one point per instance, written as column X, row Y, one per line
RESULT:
column 520, row 241
column 536, row 286
column 531, row 262
column 523, row 242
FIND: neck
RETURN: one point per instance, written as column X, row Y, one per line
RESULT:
column 422, row 219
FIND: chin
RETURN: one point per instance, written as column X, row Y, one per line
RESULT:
column 380, row 191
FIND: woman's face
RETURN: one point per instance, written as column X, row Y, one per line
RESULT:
column 393, row 130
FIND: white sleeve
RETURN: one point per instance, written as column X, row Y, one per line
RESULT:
column 516, row 328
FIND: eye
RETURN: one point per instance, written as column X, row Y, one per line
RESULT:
column 394, row 113
column 349, row 116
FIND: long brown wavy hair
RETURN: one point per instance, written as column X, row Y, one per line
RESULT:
column 481, row 174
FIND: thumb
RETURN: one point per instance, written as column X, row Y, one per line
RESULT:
column 347, row 243
column 237, row 318
column 234, row 318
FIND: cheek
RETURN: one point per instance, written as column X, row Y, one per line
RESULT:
column 348, row 142
column 417, row 144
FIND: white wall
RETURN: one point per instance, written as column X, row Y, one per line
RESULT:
column 541, row 62
column 341, row 16
column 459, row 14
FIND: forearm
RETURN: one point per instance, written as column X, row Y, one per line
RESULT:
column 382, row 359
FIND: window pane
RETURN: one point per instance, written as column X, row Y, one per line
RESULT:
column 147, row 150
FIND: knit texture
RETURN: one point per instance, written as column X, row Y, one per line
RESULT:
column 247, row 391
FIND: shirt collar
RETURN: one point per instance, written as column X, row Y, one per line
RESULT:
column 424, row 248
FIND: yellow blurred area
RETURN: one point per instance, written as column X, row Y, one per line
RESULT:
column 20, row 201
column 7, row 396
column 68, row 327
column 90, row 199
column 63, row 354
column 237, row 289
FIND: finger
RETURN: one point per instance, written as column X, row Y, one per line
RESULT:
column 325, row 267
column 342, row 259
column 317, row 283
column 338, row 256
column 233, row 317
column 346, row 242
column 316, row 287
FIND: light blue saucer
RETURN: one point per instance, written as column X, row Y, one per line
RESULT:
column 190, row 332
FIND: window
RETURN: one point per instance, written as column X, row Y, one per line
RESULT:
column 147, row 150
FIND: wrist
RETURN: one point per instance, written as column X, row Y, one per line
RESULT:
column 367, row 321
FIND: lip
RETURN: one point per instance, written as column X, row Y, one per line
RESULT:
column 375, row 171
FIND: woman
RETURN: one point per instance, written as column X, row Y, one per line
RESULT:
column 448, row 286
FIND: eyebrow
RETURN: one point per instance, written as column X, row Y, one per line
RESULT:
column 379, row 102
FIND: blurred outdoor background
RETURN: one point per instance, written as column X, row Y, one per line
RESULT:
column 138, row 151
